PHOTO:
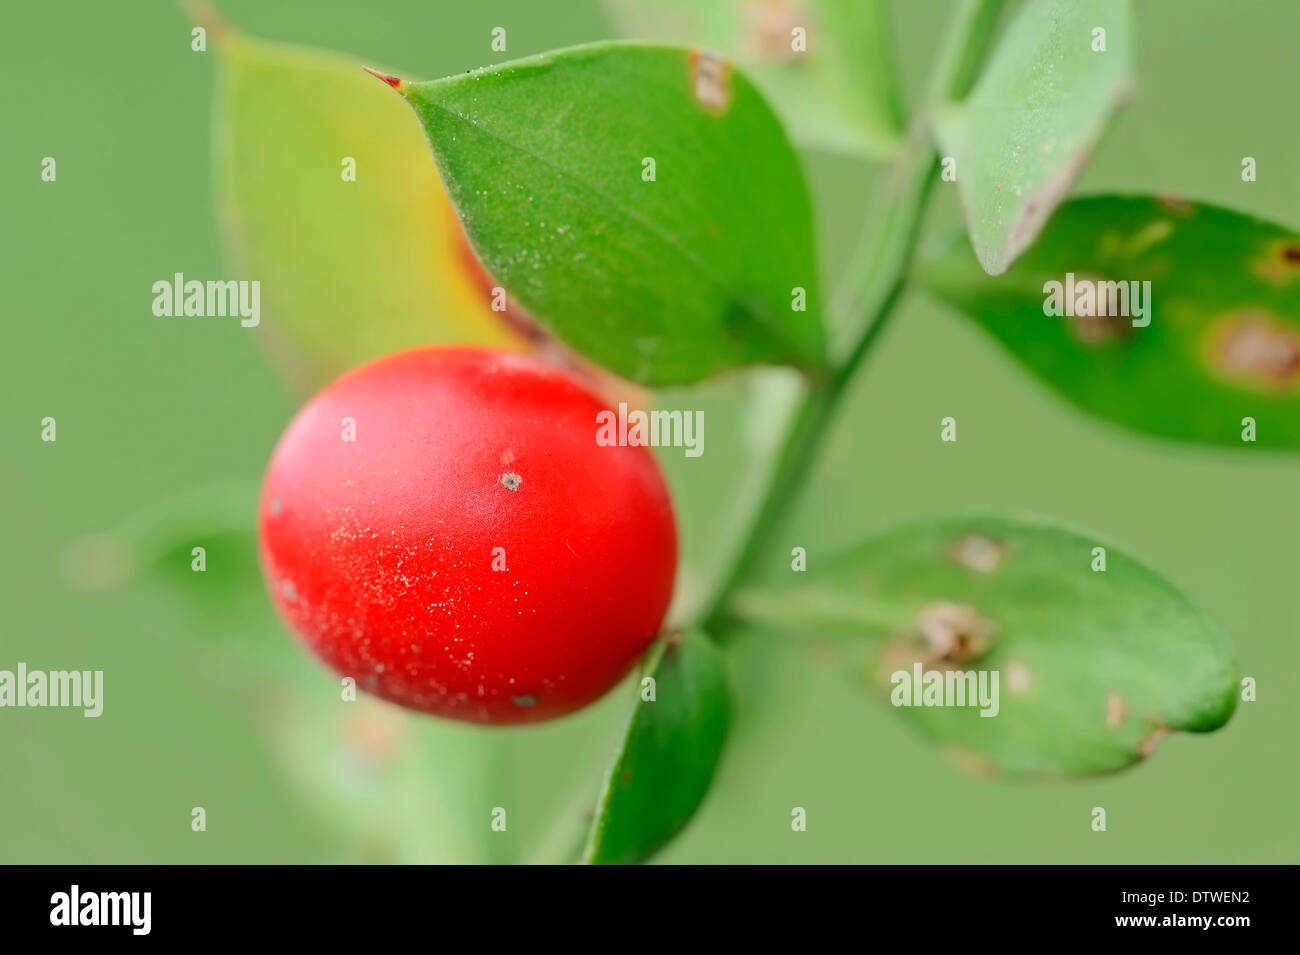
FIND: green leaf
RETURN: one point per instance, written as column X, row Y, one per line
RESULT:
column 1025, row 132
column 349, row 271
column 1223, row 343
column 669, row 751
column 1094, row 667
column 838, row 94
column 665, row 281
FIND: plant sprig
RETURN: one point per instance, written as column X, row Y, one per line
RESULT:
column 673, row 270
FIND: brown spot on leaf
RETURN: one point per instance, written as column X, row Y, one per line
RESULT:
column 1098, row 322
column 711, row 80
column 1115, row 709
column 1251, row 346
column 945, row 635
column 1280, row 263
column 954, row 633
column 1099, row 330
column 979, row 553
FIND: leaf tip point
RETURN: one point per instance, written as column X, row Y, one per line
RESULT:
column 393, row 81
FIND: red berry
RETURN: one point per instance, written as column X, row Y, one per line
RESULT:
column 385, row 553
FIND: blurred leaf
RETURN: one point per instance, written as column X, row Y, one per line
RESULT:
column 349, row 270
column 398, row 786
column 227, row 595
column 664, row 281
column 669, row 751
column 1025, row 132
column 227, row 598
column 840, row 94
column 1094, row 667
column 393, row 786
column 1223, row 341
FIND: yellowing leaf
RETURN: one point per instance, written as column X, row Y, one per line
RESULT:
column 349, row 270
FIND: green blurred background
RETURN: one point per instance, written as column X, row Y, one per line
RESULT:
column 215, row 706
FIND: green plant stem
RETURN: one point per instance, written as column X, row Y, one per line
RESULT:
column 870, row 300
column 889, row 237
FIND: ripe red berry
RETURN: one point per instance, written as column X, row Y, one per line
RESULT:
column 443, row 526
